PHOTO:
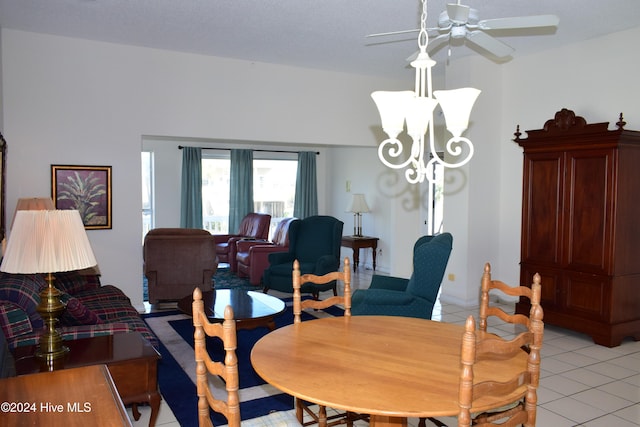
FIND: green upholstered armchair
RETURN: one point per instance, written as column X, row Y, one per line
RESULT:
column 315, row 242
column 414, row 297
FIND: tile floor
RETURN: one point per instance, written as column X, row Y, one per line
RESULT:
column 582, row 384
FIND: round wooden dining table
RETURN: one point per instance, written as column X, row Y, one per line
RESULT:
column 388, row 367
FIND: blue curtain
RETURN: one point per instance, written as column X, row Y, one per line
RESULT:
column 240, row 187
column 191, row 194
column 306, row 201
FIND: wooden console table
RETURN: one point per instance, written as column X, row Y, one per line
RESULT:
column 80, row 397
column 357, row 242
column 131, row 359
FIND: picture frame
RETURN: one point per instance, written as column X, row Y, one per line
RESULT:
column 86, row 189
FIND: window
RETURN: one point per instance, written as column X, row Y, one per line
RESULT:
column 274, row 181
column 147, row 192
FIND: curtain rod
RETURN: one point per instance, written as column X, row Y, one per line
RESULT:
column 180, row 147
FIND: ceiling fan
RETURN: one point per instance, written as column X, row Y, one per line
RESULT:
column 460, row 22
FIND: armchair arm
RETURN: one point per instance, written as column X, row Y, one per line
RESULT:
column 280, row 258
column 263, row 250
column 244, row 245
column 388, row 282
column 222, row 238
column 383, row 297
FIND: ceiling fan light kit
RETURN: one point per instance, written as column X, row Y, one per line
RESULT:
column 416, row 109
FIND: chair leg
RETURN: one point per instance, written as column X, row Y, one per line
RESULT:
column 322, row 416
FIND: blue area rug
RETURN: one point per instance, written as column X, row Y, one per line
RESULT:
column 179, row 390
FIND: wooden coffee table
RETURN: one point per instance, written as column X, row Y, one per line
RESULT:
column 251, row 309
column 131, row 359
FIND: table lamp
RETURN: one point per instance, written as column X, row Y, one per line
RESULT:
column 47, row 242
column 358, row 206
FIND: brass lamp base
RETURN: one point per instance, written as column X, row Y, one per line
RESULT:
column 51, row 351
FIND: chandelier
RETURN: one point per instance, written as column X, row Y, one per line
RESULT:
column 416, row 109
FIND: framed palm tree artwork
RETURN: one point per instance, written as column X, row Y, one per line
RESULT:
column 86, row 189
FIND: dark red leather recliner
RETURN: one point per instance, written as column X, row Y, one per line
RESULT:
column 253, row 226
column 253, row 257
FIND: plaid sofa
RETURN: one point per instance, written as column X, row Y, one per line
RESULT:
column 92, row 309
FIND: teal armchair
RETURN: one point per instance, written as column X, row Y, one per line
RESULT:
column 414, row 297
column 315, row 242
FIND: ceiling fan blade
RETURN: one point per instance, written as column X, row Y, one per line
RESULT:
column 458, row 13
column 391, row 33
column 490, row 44
column 413, row 56
column 436, row 43
column 519, row 22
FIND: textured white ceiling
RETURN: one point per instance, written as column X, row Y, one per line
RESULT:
column 323, row 34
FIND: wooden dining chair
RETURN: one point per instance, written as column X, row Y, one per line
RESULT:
column 533, row 293
column 520, row 393
column 320, row 417
column 318, row 304
column 226, row 369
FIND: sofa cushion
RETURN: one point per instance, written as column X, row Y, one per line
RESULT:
column 77, row 313
column 103, row 293
column 23, row 290
column 14, row 321
column 112, row 310
column 73, row 282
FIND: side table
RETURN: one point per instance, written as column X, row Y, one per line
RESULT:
column 48, row 399
column 357, row 242
column 132, row 362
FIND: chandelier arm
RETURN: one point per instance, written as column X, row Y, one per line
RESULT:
column 456, row 151
column 393, row 148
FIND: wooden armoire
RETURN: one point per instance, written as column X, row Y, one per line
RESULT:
column 581, row 225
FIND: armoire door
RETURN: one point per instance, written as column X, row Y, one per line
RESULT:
column 588, row 210
column 542, row 208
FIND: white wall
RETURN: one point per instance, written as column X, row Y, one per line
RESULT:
column 81, row 102
column 71, row 101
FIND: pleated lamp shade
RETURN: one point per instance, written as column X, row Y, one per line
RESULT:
column 47, row 241
column 33, row 204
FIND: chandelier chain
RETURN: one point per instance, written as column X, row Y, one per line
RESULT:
column 423, row 37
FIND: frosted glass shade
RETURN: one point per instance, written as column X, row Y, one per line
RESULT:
column 358, row 204
column 393, row 107
column 47, row 241
column 456, row 105
column 419, row 116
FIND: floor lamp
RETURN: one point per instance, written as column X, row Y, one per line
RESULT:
column 47, row 242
